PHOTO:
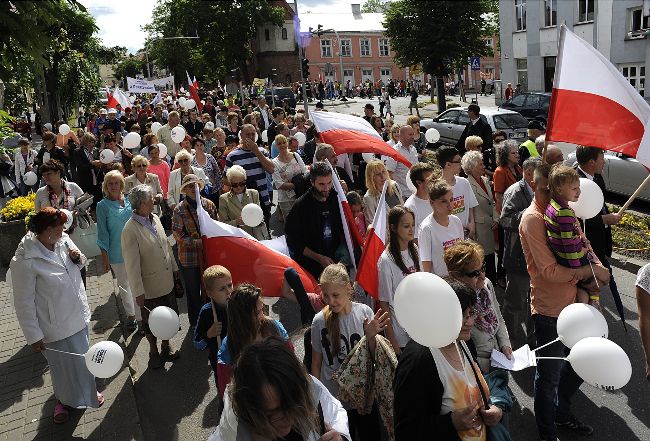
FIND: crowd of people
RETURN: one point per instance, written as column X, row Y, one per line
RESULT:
column 498, row 229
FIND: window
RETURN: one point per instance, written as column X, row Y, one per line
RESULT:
column 463, row 118
column 326, row 48
column 383, row 47
column 284, row 34
column 520, row 14
column 550, row 12
column 549, row 73
column 346, row 48
column 637, row 20
column 489, row 42
column 518, row 101
column 267, row 35
column 635, row 74
column 449, row 117
column 365, row 47
column 348, row 73
column 585, row 10
column 384, row 72
column 522, row 72
column 366, row 74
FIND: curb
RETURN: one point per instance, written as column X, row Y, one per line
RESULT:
column 626, row 263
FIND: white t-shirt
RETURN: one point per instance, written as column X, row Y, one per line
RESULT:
column 464, row 199
column 434, row 239
column 421, row 207
column 390, row 275
column 351, row 331
column 398, row 169
column 643, row 278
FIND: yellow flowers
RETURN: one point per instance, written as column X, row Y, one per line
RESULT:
column 18, row 208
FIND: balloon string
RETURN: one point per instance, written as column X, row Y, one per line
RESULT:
column 551, row 358
column 64, row 352
column 591, row 266
column 547, row 344
column 128, row 292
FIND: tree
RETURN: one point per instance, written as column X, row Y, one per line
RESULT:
column 128, row 67
column 371, row 6
column 439, row 38
column 225, row 30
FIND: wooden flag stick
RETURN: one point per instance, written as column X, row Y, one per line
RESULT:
column 643, row 185
column 214, row 315
column 544, row 149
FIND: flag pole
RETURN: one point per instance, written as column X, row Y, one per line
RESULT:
column 643, row 185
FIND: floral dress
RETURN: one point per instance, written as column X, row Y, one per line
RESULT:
column 212, row 171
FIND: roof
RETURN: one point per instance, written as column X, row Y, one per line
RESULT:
column 342, row 21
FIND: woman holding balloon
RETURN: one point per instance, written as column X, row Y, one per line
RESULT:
column 150, row 266
column 52, row 308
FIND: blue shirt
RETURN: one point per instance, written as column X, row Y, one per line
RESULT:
column 145, row 222
column 111, row 218
column 224, row 353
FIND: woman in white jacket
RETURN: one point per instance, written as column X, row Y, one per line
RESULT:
column 184, row 159
column 52, row 309
column 271, row 396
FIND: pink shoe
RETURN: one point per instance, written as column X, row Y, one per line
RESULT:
column 61, row 413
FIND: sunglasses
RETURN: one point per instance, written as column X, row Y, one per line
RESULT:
column 183, row 161
column 238, row 184
column 476, row 273
column 141, row 166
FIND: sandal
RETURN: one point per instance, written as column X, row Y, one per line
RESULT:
column 61, row 413
column 166, row 352
column 100, row 398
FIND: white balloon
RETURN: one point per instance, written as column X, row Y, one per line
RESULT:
column 164, row 322
column 601, row 363
column 178, row 134
column 181, row 101
column 428, row 308
column 252, row 215
column 131, row 140
column 155, row 127
column 64, row 129
column 209, row 125
column 106, row 156
column 265, row 136
column 190, row 104
column 68, row 218
column 162, row 150
column 368, row 156
column 30, row 178
column 301, row 138
column 578, row 321
column 132, row 99
column 432, row 135
column 104, row 359
column 409, row 183
column 591, row 200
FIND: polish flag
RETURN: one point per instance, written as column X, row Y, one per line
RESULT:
column 121, row 98
column 593, row 104
column 248, row 259
column 347, row 220
column 368, row 275
column 352, row 134
column 194, row 87
column 112, row 102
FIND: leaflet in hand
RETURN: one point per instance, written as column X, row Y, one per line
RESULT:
column 521, row 359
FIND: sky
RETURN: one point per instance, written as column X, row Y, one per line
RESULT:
column 120, row 21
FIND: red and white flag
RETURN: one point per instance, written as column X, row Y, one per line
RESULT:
column 368, row 275
column 112, row 102
column 352, row 134
column 347, row 220
column 248, row 259
column 121, row 98
column 194, row 87
column 593, row 104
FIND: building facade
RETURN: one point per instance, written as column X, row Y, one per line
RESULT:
column 490, row 66
column 361, row 52
column 530, row 32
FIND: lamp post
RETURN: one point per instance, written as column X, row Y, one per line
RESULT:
column 321, row 31
column 146, row 51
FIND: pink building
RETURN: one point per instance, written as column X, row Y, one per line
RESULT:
column 361, row 52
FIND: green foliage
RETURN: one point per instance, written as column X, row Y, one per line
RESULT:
column 371, row 6
column 225, row 30
column 6, row 130
column 632, row 235
column 128, row 67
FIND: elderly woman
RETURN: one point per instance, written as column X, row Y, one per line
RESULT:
column 465, row 263
column 287, row 165
column 57, row 192
column 140, row 166
column 184, row 160
column 473, row 143
column 485, row 214
column 376, row 175
column 232, row 203
column 207, row 163
column 151, row 267
column 186, row 229
column 508, row 171
column 52, row 308
column 113, row 212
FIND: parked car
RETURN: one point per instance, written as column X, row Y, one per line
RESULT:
column 452, row 122
column 280, row 94
column 531, row 105
column 622, row 174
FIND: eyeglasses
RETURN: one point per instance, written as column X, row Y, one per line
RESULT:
column 141, row 166
column 238, row 184
column 476, row 273
column 183, row 161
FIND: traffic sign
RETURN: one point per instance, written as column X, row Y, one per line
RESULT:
column 475, row 62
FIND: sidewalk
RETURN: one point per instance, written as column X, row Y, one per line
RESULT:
column 26, row 396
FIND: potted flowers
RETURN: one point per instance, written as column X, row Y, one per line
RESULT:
column 12, row 225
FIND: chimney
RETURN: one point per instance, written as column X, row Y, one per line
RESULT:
column 356, row 9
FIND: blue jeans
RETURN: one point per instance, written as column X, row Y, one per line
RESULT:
column 555, row 380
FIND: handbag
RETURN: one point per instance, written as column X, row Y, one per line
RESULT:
column 86, row 240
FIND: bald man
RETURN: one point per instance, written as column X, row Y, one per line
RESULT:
column 554, row 154
column 397, row 170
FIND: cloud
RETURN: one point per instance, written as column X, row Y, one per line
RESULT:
column 121, row 21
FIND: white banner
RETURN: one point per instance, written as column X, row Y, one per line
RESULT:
column 166, row 83
column 140, row 86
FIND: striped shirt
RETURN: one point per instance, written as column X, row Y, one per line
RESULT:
column 563, row 235
column 255, row 174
